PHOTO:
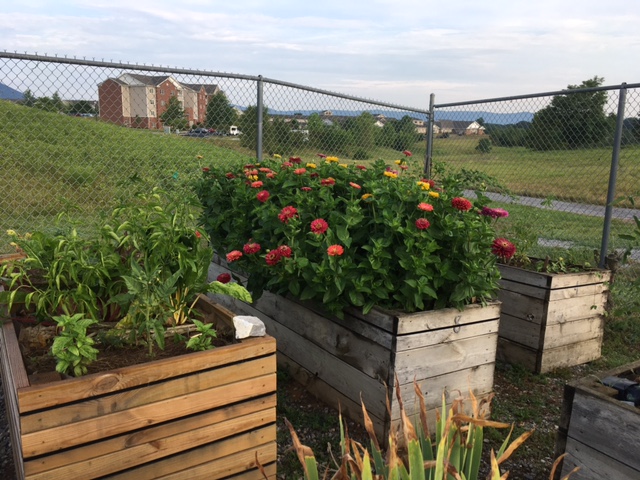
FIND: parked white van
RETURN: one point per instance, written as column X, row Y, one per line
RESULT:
column 233, row 130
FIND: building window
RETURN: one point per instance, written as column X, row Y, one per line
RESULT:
column 162, row 91
column 152, row 90
column 152, row 101
column 163, row 103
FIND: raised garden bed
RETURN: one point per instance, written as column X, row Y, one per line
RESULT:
column 551, row 320
column 362, row 357
column 198, row 415
column 598, row 432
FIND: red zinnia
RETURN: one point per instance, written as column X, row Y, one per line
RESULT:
column 287, row 213
column 319, row 226
column 295, row 159
column 422, row 224
column 321, row 155
column 461, row 204
column 306, row 189
column 300, row 171
column 361, row 167
column 431, row 183
column 287, row 164
column 328, row 181
column 205, row 169
column 425, row 207
column 249, row 165
column 284, row 250
column 257, row 184
column 503, row 248
column 251, row 248
column 271, row 175
column 355, row 185
column 263, row 196
column 407, row 153
column 229, row 175
column 494, row 212
column 335, row 250
column 265, row 170
column 273, row 257
column 234, row 255
column 224, row 278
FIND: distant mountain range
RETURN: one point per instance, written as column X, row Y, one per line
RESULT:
column 459, row 115
column 8, row 93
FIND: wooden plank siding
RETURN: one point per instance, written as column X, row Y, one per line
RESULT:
column 598, row 432
column 360, row 358
column 198, row 415
column 550, row 321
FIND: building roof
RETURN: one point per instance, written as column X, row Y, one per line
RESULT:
column 211, row 89
column 8, row 93
column 150, row 80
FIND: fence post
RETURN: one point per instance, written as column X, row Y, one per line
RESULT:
column 428, row 157
column 259, row 120
column 615, row 157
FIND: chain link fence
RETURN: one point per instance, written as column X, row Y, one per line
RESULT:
column 77, row 135
column 567, row 163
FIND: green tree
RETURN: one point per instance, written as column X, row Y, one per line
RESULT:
column 81, row 106
column 572, row 121
column 220, row 113
column 50, row 104
column 29, row 99
column 484, row 145
column 174, row 115
column 248, row 123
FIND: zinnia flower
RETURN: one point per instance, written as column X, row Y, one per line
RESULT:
column 257, row 184
column 461, row 204
column 319, row 226
column 321, row 155
column 273, row 257
column 275, row 155
column 355, row 185
column 295, row 159
column 251, row 248
column 300, row 171
column 263, row 196
column 265, row 170
column 234, row 255
column 398, row 162
column 361, row 167
column 390, row 174
column 287, row 213
column 494, row 212
column 224, row 278
column 425, row 207
column 199, row 157
column 366, row 195
column 311, row 165
column 503, row 248
column 422, row 224
column 198, row 234
column 328, row 181
column 205, row 169
column 284, row 250
column 229, row 175
column 332, row 159
column 306, row 189
column 434, row 194
column 407, row 153
column 287, row 164
column 271, row 175
column 335, row 250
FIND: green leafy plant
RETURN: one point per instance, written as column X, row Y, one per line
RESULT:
column 203, row 340
column 143, row 270
column 453, row 452
column 356, row 235
column 72, row 348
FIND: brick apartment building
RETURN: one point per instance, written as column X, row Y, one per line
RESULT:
column 138, row 101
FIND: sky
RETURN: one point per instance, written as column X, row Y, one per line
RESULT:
column 396, row 51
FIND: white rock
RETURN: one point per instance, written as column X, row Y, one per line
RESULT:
column 248, row 326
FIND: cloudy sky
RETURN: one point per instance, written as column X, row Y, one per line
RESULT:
column 397, row 51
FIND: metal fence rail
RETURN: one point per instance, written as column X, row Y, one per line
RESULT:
column 77, row 134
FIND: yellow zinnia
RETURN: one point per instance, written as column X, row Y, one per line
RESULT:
column 434, row 194
column 311, row 165
column 343, row 165
column 11, row 233
column 366, row 195
column 398, row 162
column 390, row 174
column 424, row 185
column 332, row 160
column 275, row 155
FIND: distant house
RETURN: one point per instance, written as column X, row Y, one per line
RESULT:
column 458, row 127
column 139, row 101
column 10, row 94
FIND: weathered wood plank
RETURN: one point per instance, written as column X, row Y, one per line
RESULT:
column 446, row 335
column 521, row 306
column 165, row 391
column 124, row 450
column 98, row 461
column 577, row 331
column 521, row 331
column 542, row 293
column 594, row 465
column 446, row 317
column 569, row 355
column 574, row 308
column 65, row 436
column 518, row 354
column 439, row 359
column 46, row 396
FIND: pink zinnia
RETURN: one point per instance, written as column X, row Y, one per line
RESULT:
column 425, row 207
column 263, row 196
column 234, row 255
column 355, row 185
column 224, row 278
column 198, row 234
column 287, row 213
column 287, row 164
column 494, row 212
column 361, row 167
column 319, row 226
column 461, row 204
column 503, row 248
column 284, row 250
column 273, row 257
column 306, row 189
column 271, row 175
column 300, row 171
column 422, row 224
column 257, row 184
column 328, row 181
column 335, row 250
column 321, row 155
column 251, row 248
column 407, row 153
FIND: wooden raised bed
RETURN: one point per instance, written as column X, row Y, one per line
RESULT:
column 342, row 361
column 599, row 433
column 199, row 415
column 551, row 320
